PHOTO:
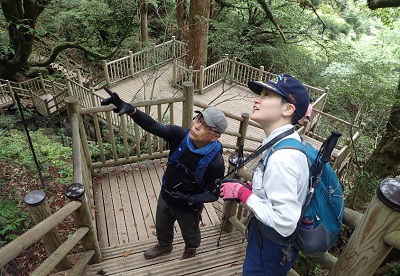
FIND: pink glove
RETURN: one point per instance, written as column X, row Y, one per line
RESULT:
column 234, row 190
column 248, row 185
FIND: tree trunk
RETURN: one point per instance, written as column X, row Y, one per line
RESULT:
column 21, row 18
column 376, row 4
column 198, row 33
column 182, row 20
column 144, row 33
column 385, row 160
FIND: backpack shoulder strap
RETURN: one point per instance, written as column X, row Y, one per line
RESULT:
column 179, row 150
column 204, row 162
column 289, row 143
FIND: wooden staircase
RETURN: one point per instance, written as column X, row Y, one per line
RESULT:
column 128, row 259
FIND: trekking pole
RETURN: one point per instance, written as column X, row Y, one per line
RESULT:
column 324, row 155
column 16, row 96
column 236, row 159
column 326, row 151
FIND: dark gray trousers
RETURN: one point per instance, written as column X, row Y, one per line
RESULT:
column 188, row 222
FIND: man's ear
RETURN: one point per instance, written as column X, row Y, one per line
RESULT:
column 288, row 109
column 216, row 137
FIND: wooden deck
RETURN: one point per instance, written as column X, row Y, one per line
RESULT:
column 125, row 206
column 126, row 199
column 226, row 259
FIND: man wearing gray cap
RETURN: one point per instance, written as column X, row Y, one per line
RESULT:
column 194, row 163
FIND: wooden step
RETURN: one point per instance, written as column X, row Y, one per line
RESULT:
column 128, row 259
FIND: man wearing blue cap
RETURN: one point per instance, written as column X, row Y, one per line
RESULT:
column 279, row 187
column 194, row 163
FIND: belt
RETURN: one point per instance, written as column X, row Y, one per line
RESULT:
column 275, row 237
column 270, row 233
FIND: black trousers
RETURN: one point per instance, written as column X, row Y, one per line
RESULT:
column 188, row 221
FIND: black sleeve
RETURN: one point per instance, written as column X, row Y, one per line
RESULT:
column 203, row 198
column 169, row 133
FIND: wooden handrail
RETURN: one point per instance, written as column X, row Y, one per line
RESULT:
column 14, row 248
column 50, row 263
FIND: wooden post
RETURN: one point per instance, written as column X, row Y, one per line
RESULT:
column 79, row 76
column 326, row 89
column 42, row 83
column 105, row 69
column 229, row 207
column 226, row 63
column 11, row 92
column 233, row 65
column 173, row 47
column 260, row 73
column 92, row 96
column 82, row 218
column 366, row 248
column 131, row 65
column 73, row 114
column 188, row 93
column 243, row 129
column 69, row 88
column 191, row 75
column 174, row 69
column 39, row 209
column 201, row 79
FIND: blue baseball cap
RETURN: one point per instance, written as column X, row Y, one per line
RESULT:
column 288, row 87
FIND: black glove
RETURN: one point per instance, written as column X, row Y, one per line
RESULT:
column 121, row 107
column 181, row 197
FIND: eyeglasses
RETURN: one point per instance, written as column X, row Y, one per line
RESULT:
column 203, row 124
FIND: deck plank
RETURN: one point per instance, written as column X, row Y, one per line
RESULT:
column 116, row 193
column 139, row 229
column 124, row 183
column 144, row 204
column 100, row 216
column 107, row 188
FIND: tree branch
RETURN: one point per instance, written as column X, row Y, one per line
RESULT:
column 271, row 18
column 74, row 45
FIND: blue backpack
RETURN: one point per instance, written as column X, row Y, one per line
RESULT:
column 321, row 217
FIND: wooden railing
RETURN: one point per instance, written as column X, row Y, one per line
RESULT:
column 46, row 96
column 135, row 63
column 320, row 128
column 6, row 98
column 81, row 208
column 49, row 95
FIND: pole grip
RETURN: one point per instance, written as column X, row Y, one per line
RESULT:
column 331, row 142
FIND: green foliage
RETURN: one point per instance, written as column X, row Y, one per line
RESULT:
column 306, row 266
column 50, row 153
column 13, row 221
column 395, row 266
column 96, row 24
